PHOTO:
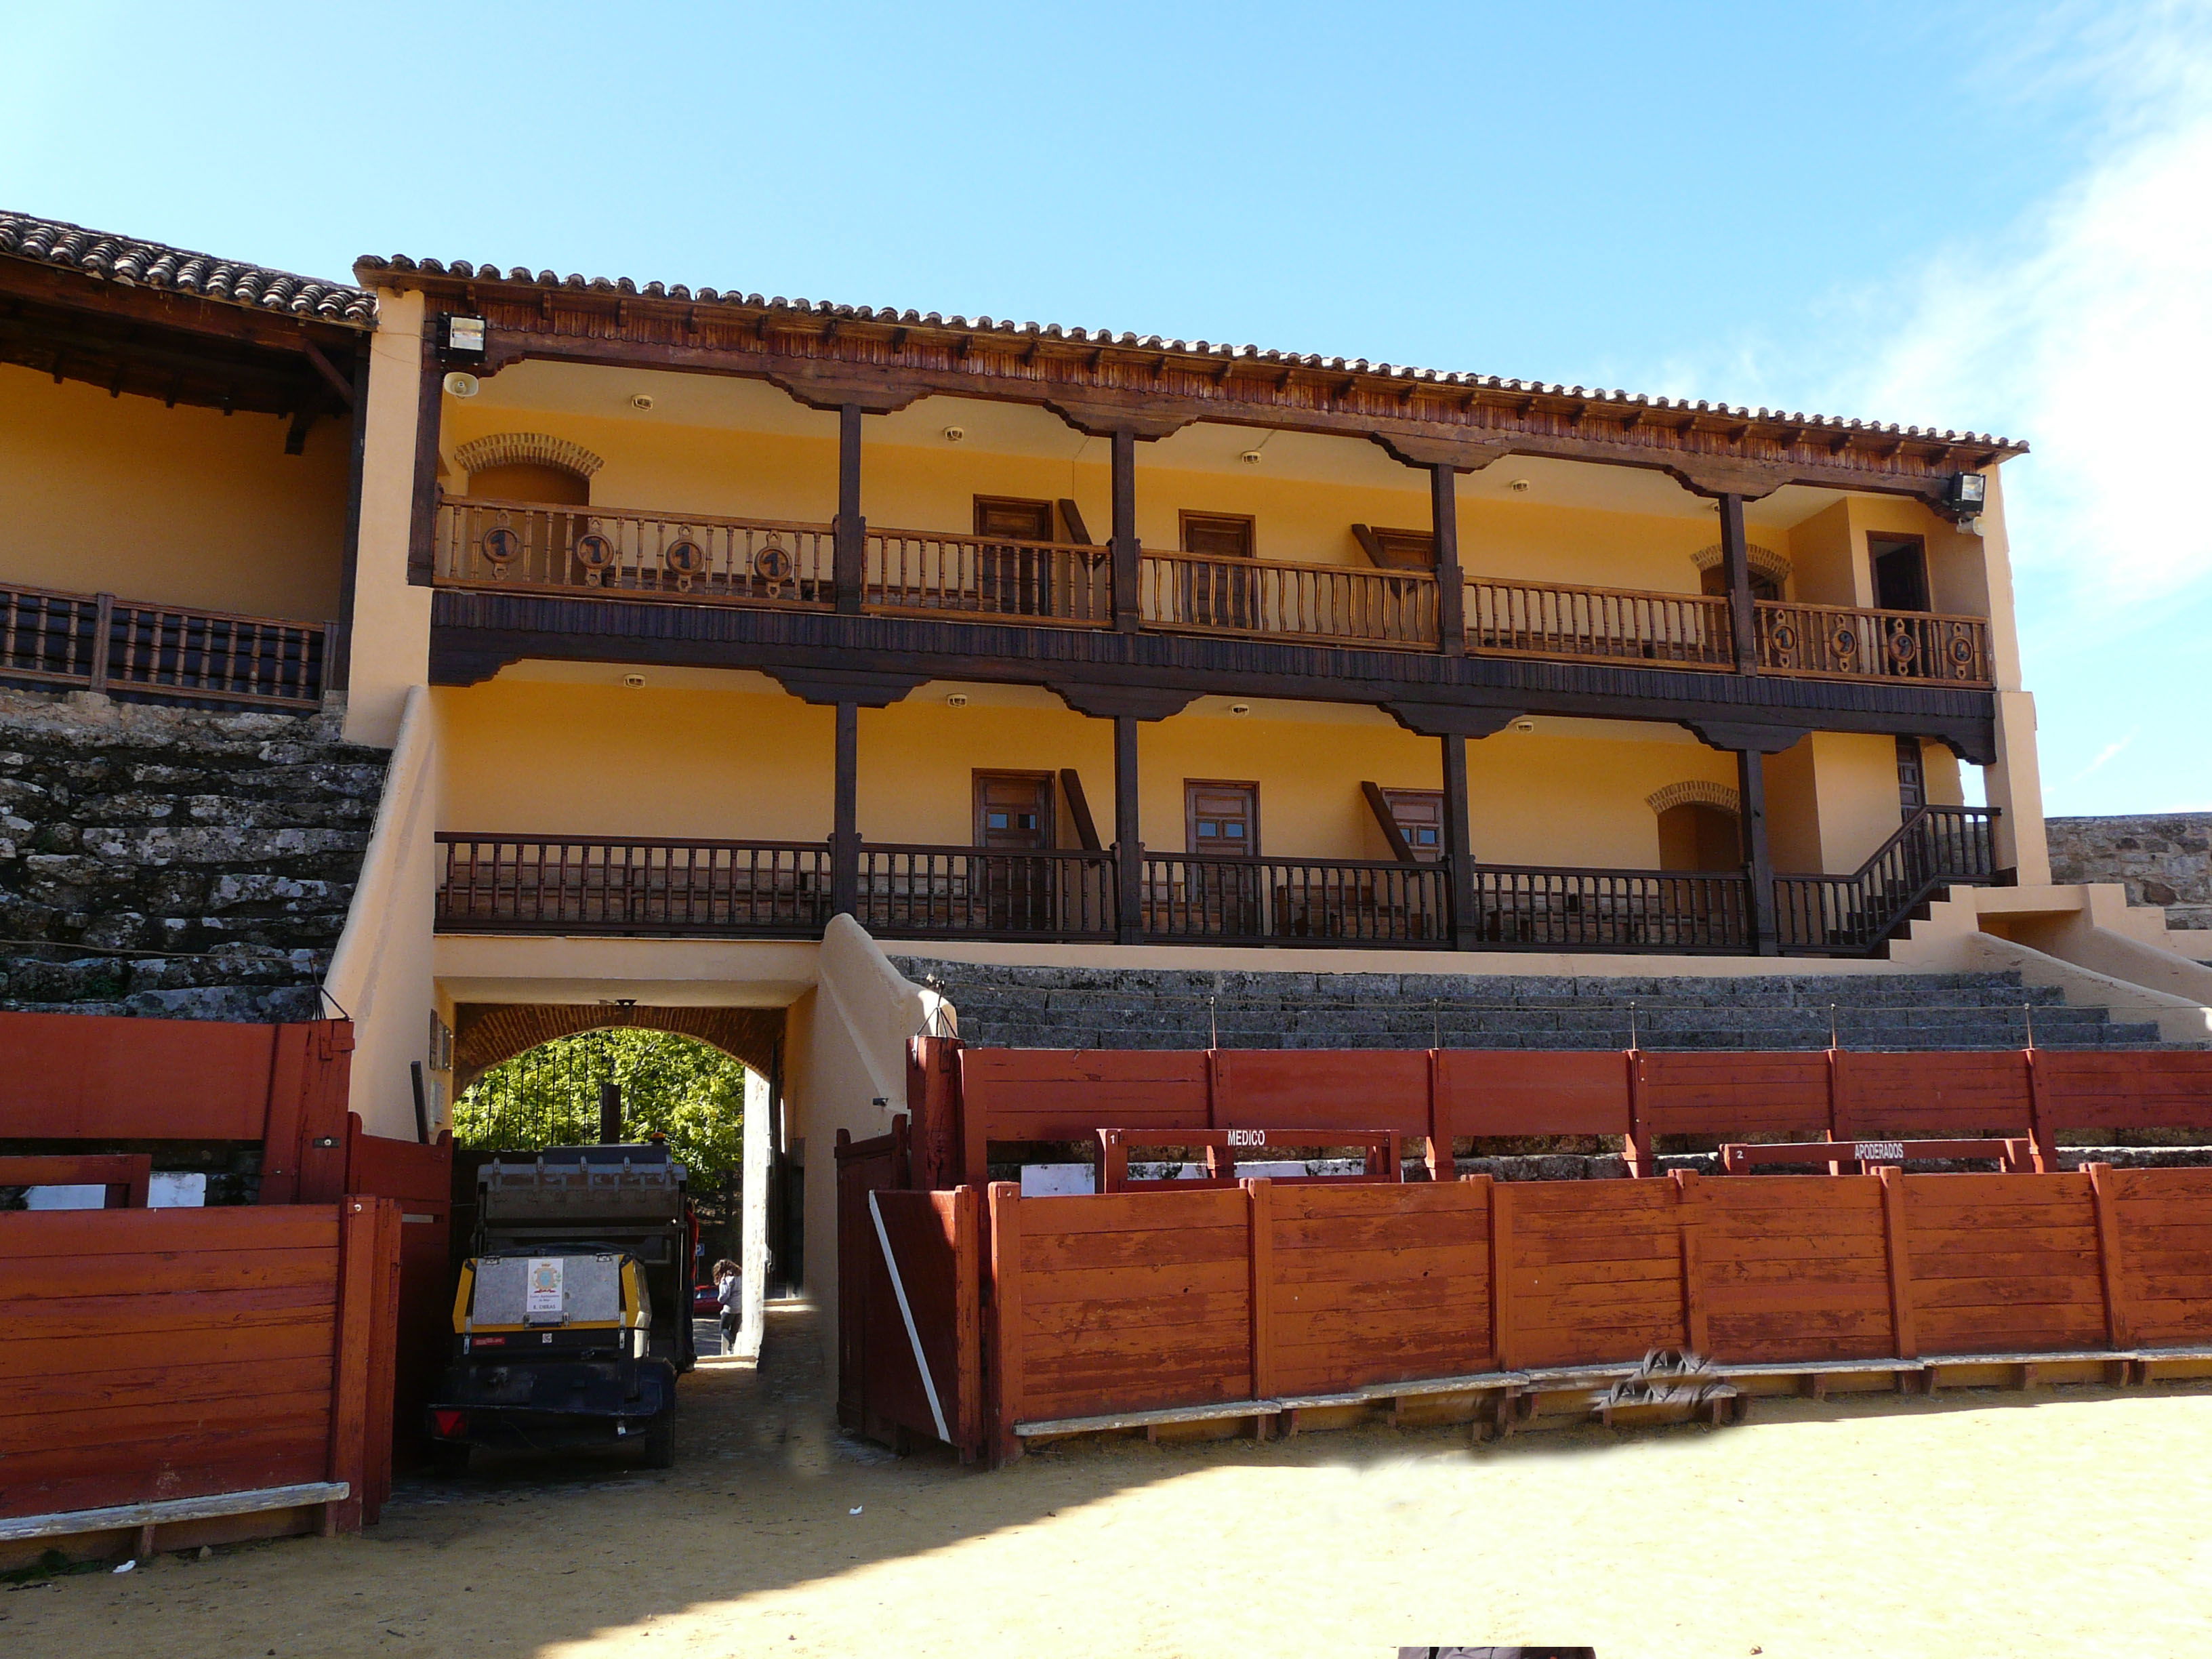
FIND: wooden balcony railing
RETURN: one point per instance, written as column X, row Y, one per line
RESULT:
column 1936, row 847
column 698, row 558
column 97, row 642
column 1537, row 909
column 960, row 892
column 1039, row 581
column 1606, row 624
column 1828, row 641
column 1288, row 601
column 608, row 884
column 1286, row 901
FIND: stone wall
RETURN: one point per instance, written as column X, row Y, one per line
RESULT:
column 2162, row 859
column 173, row 862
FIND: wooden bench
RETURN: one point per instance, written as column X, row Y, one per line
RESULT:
column 1383, row 1158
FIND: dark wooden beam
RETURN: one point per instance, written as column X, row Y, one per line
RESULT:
column 1735, row 563
column 429, row 410
column 849, row 547
column 845, row 815
column 1128, row 555
column 1759, row 860
column 1387, row 821
column 1129, row 835
column 1078, row 810
column 1459, row 844
column 339, row 674
column 325, row 368
column 1451, row 590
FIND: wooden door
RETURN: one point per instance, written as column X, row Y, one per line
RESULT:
column 1015, row 579
column 1013, row 815
column 1218, row 596
column 1221, row 824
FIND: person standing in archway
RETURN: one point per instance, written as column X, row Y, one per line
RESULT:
column 726, row 1292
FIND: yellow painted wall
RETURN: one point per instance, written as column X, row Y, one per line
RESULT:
column 1856, row 775
column 177, row 506
column 663, row 466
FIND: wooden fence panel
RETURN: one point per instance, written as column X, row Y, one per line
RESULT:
column 2084, row 1089
column 2163, row 1277
column 1321, row 1088
column 2003, row 1264
column 1520, row 1091
column 1589, row 1271
column 1931, row 1097
column 176, row 1353
column 931, row 1240
column 1383, row 1283
column 1129, row 1303
column 1790, row 1267
column 1051, row 1094
column 1739, row 1096
column 97, row 1077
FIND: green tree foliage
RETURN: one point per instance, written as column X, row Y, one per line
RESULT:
column 688, row 1091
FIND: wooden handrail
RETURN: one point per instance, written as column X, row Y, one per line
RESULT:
column 1936, row 847
column 935, row 571
column 1280, row 599
column 1844, row 642
column 1611, row 624
column 103, row 643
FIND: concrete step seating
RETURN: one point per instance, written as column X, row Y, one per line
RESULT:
column 1031, row 1007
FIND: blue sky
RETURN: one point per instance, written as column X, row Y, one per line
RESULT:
column 1994, row 218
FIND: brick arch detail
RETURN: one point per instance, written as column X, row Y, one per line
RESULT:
column 487, row 1033
column 536, row 448
column 1764, row 561
column 1695, row 792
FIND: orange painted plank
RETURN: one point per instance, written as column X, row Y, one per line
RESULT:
column 1306, row 1089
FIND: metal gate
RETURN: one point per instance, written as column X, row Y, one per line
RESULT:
column 909, row 1292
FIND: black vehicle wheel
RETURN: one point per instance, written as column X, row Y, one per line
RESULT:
column 661, row 1442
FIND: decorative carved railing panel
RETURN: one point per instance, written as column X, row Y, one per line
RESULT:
column 1038, row 581
column 1288, row 601
column 1835, row 642
column 955, row 892
column 98, row 643
column 1295, row 901
column 599, row 883
column 698, row 558
column 1937, row 846
column 1533, row 907
column 1526, row 619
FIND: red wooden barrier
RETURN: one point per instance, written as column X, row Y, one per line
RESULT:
column 1247, row 1303
column 963, row 1100
column 173, row 1354
column 919, row 1283
column 1383, row 1158
column 128, row 1176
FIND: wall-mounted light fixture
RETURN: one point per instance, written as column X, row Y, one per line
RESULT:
column 1240, row 708
column 459, row 384
column 1969, row 492
column 633, row 681
column 1524, row 725
column 641, row 400
column 1250, row 458
column 465, row 335
column 953, row 434
column 956, row 700
column 1519, row 486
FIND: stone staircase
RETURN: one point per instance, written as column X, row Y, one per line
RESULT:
column 1033, row 1007
column 174, row 863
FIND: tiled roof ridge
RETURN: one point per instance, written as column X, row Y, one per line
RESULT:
column 463, row 270
column 132, row 262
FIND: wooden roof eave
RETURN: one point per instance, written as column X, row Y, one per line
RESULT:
column 823, row 360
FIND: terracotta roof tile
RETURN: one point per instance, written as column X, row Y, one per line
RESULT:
column 463, row 270
column 134, row 263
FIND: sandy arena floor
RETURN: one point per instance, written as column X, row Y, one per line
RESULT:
column 2076, row 1521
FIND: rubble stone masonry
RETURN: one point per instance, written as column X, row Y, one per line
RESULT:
column 2161, row 858
column 173, row 862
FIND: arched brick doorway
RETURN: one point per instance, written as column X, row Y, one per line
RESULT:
column 486, row 1033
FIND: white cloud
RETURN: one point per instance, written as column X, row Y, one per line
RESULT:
column 2090, row 334
column 2110, row 752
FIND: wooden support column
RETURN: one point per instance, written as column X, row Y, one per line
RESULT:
column 1128, row 841
column 849, row 544
column 1735, row 561
column 1004, row 1200
column 1258, row 1211
column 1757, row 860
column 1451, row 588
column 1127, row 553
column 1902, row 1338
column 845, row 823
column 337, row 659
column 1459, row 843
column 430, row 411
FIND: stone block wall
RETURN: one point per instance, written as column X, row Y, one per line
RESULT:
column 173, row 862
column 2161, row 858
